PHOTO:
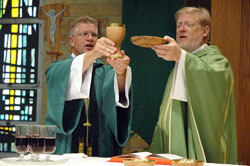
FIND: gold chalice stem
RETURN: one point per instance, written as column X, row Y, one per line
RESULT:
column 87, row 124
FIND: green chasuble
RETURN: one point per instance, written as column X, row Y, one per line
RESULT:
column 204, row 128
column 110, row 124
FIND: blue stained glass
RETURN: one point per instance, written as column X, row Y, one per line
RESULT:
column 6, row 40
column 7, row 102
column 5, row 55
column 33, row 57
column 24, row 70
column 30, row 111
column 26, row 109
column 24, row 56
column 30, row 11
column 8, row 56
column 23, row 100
column 22, row 118
column 20, row 28
column 19, row 69
column 34, row 11
column 2, row 117
column 34, row 26
column 17, row 101
column 5, row 146
column 16, row 117
column 30, row 2
column 9, row 40
column 26, row 2
column 6, row 91
column 30, row 101
column 21, row 112
column 26, row 112
column 19, row 57
column 24, row 41
column 23, row 76
column 30, row 30
column 25, row 118
column 20, row 43
column 13, row 149
column 25, row 28
column 21, row 12
column 17, row 92
column 31, row 93
column 3, row 98
column 23, row 93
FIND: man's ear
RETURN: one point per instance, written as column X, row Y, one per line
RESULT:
column 71, row 41
column 206, row 31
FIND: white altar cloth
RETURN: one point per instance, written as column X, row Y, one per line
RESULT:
column 71, row 160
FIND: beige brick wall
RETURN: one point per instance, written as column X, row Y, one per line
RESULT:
column 105, row 11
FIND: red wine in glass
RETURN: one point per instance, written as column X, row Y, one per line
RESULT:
column 50, row 145
column 37, row 145
column 21, row 144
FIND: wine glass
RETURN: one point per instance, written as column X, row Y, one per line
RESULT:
column 22, row 140
column 37, row 141
column 50, row 140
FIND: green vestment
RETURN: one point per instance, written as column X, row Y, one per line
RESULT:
column 110, row 124
column 204, row 127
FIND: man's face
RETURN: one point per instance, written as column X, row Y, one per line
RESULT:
column 84, row 39
column 189, row 33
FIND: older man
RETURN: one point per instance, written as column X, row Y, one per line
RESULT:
column 88, row 101
column 197, row 114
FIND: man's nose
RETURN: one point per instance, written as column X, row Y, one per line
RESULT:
column 182, row 28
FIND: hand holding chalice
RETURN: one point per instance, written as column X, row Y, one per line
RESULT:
column 116, row 33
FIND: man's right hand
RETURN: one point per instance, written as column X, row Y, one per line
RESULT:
column 103, row 47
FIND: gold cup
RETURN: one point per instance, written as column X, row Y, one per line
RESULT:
column 116, row 33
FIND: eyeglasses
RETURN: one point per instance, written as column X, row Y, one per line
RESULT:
column 87, row 34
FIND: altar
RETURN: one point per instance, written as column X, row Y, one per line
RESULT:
column 71, row 160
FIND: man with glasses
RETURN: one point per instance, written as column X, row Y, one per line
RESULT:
column 90, row 102
column 197, row 115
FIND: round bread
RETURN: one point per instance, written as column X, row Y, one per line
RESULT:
column 147, row 41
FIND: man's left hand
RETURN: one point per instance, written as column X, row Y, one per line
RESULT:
column 120, row 64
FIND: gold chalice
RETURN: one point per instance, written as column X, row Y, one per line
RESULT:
column 116, row 33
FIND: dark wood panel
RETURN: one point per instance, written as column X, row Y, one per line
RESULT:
column 231, row 32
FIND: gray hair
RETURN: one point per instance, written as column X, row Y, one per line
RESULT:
column 80, row 20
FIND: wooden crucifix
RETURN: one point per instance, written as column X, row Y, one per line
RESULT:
column 53, row 14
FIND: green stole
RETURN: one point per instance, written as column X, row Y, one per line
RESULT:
column 204, row 128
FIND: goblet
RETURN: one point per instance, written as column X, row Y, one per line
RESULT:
column 22, row 140
column 37, row 141
column 50, row 140
column 116, row 33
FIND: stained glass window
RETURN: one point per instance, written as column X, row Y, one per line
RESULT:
column 20, row 67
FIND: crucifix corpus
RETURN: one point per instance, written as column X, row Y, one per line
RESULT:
column 53, row 14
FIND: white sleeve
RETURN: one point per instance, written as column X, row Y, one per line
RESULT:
column 179, row 91
column 125, row 104
column 78, row 84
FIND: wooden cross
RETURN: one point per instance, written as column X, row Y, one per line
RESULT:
column 53, row 14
